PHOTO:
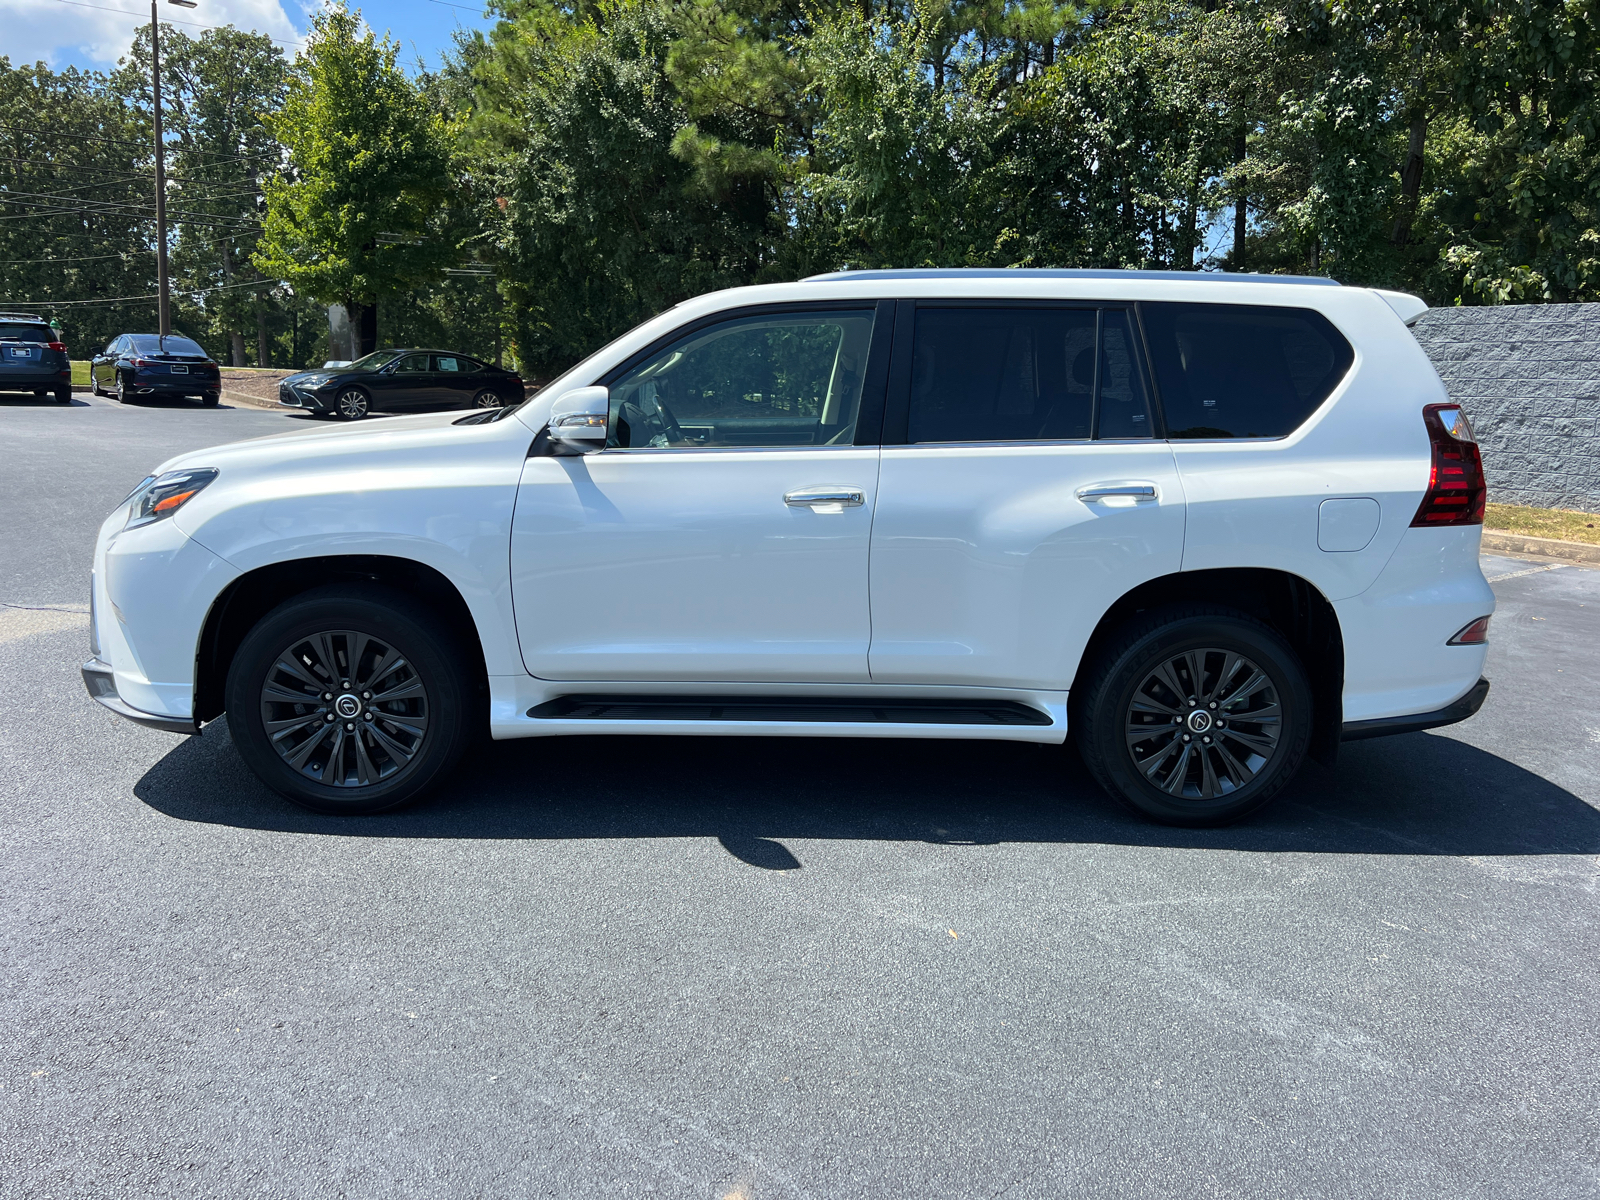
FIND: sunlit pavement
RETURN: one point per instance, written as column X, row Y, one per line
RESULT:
column 715, row 968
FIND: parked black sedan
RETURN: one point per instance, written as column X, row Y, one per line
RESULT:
column 401, row 381
column 149, row 364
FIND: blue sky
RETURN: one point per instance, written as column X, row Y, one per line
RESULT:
column 93, row 34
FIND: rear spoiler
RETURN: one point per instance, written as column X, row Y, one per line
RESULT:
column 1406, row 306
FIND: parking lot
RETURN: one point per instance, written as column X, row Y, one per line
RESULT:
column 735, row 968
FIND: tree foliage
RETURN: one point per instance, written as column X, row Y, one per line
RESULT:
column 591, row 162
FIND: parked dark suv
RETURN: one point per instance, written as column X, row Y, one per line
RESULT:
column 148, row 364
column 31, row 360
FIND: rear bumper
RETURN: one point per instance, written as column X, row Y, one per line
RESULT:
column 1460, row 710
column 28, row 381
column 101, row 683
column 198, row 386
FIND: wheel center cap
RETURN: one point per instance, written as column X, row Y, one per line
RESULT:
column 1199, row 721
column 347, row 706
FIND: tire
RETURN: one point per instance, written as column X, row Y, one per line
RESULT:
column 122, row 388
column 210, row 399
column 94, row 384
column 487, row 399
column 64, row 395
column 405, row 747
column 1175, row 775
column 352, row 404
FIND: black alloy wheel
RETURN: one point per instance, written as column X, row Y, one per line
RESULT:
column 1195, row 716
column 487, row 398
column 352, row 404
column 345, row 701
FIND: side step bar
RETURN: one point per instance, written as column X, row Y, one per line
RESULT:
column 782, row 709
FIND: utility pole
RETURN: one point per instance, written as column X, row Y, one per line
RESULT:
column 163, row 287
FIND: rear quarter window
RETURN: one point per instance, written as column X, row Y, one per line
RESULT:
column 1242, row 371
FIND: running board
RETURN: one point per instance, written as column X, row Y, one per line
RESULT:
column 822, row 710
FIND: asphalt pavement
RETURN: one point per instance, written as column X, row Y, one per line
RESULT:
column 721, row 968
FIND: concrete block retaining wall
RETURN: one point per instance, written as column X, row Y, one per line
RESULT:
column 1529, row 378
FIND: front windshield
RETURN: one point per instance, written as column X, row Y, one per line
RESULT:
column 370, row 362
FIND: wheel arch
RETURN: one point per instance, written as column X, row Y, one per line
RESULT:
column 243, row 603
column 1289, row 604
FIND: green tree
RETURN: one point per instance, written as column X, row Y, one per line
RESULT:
column 361, row 209
column 76, row 214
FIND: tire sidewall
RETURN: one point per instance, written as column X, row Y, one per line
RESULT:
column 1129, row 669
column 382, row 614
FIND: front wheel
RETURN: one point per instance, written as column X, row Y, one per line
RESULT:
column 1195, row 716
column 352, row 404
column 346, row 701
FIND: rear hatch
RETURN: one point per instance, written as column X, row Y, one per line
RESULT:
column 29, row 352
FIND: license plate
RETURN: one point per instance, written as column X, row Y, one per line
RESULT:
column 179, row 370
column 20, row 351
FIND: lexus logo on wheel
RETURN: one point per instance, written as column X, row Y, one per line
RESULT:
column 347, row 706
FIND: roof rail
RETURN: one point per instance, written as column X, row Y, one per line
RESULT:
column 16, row 316
column 1054, row 273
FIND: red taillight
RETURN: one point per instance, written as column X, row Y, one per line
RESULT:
column 1456, row 488
column 1475, row 634
column 56, row 345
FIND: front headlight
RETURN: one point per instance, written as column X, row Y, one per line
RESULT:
column 163, row 495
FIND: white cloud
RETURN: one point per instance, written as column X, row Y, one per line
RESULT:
column 64, row 34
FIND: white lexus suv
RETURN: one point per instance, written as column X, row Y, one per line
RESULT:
column 1209, row 524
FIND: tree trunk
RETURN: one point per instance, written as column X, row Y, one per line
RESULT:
column 261, row 336
column 235, row 339
column 1241, row 225
column 1410, row 183
column 363, row 328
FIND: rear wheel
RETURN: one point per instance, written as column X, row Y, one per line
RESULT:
column 210, row 399
column 487, row 399
column 64, row 395
column 352, row 404
column 1195, row 716
column 345, row 701
column 122, row 392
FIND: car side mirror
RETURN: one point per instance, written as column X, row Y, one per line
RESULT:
column 578, row 420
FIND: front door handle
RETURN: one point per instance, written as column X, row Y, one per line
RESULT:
column 1134, row 490
column 828, row 499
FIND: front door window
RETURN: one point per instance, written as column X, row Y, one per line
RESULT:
column 785, row 380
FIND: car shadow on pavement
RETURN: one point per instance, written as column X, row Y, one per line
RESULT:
column 1413, row 794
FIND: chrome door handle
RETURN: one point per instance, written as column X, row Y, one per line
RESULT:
column 1099, row 491
column 833, row 496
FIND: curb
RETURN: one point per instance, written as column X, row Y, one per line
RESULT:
column 252, row 401
column 1497, row 541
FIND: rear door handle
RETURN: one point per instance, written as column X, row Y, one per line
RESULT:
column 834, row 498
column 1135, row 489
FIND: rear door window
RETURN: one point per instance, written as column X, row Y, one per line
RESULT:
column 1025, row 374
column 1242, row 371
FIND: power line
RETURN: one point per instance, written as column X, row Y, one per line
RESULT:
column 110, row 207
column 195, row 24
column 40, row 130
column 73, row 259
column 125, row 299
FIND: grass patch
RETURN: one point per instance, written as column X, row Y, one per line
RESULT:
column 80, row 374
column 1543, row 522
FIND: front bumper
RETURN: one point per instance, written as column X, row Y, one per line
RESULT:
column 298, row 397
column 101, row 683
column 1460, row 710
